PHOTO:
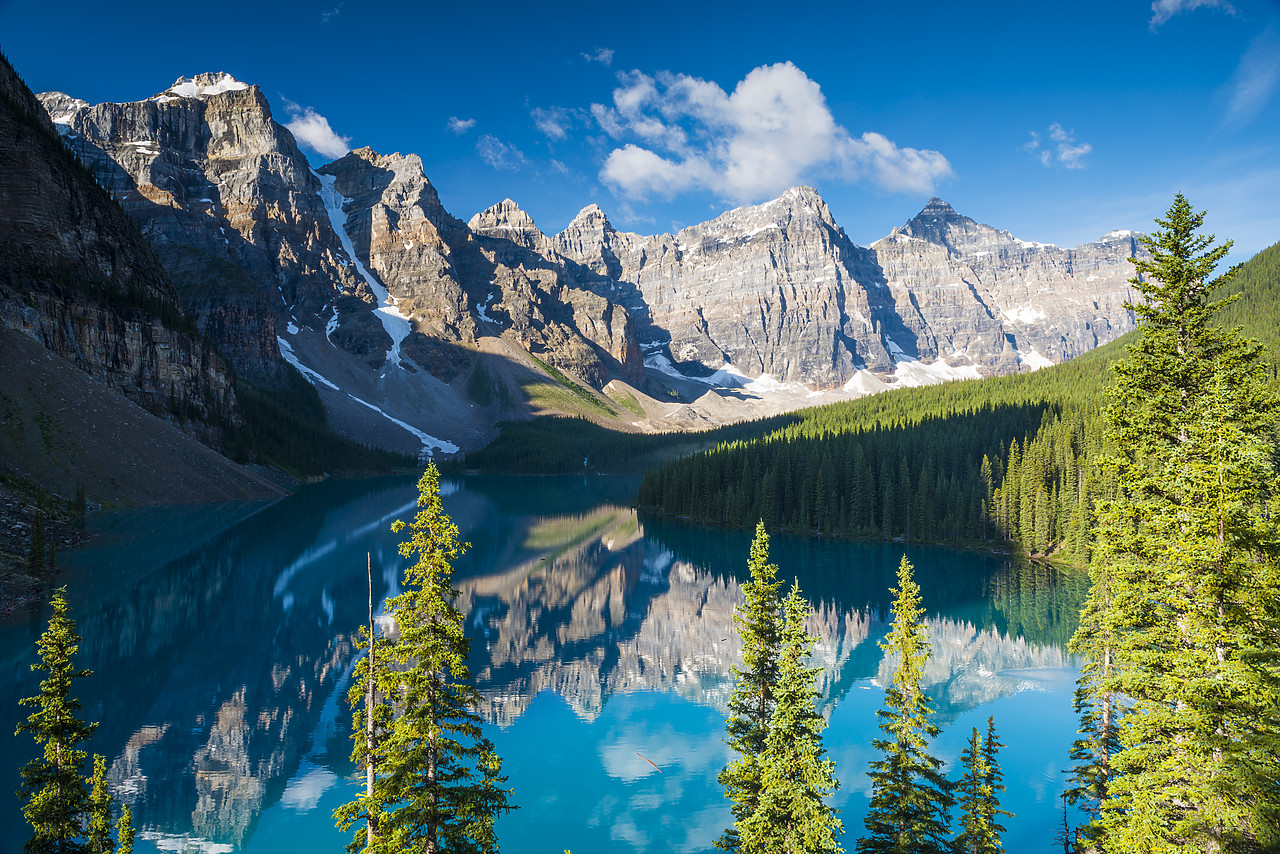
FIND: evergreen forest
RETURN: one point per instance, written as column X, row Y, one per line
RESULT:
column 1014, row 459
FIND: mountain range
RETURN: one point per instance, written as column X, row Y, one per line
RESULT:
column 421, row 331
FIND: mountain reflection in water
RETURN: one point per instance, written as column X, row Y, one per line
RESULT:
column 221, row 645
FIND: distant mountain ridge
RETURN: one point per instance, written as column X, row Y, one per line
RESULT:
column 405, row 317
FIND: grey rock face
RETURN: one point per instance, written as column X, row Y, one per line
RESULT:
column 254, row 240
column 986, row 296
column 496, row 275
column 404, row 234
column 765, row 288
column 227, row 200
column 779, row 289
column 75, row 276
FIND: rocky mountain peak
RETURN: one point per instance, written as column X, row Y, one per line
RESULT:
column 202, row 86
column 799, row 200
column 935, row 219
column 365, row 169
column 505, row 219
column 590, row 217
column 799, row 209
column 937, row 207
column 61, row 107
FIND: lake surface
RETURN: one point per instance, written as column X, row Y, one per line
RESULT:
column 221, row 640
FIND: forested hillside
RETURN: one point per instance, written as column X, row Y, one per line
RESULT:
column 1013, row 458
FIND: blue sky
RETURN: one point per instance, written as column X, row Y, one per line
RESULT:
column 1058, row 122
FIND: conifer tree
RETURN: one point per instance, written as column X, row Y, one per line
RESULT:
column 752, row 701
column 1183, row 619
column 910, row 800
column 437, row 785
column 99, row 812
column 793, row 815
column 53, row 786
column 979, row 794
column 124, row 831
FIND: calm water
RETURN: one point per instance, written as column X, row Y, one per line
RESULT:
column 221, row 641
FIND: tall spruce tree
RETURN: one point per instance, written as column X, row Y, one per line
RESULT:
column 793, row 814
column 437, row 784
column 1183, row 620
column 979, row 794
column 752, row 701
column 99, row 812
column 53, row 786
column 910, row 798
column 124, row 831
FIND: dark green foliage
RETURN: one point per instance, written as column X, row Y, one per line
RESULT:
column 978, row 794
column 910, row 799
column 36, row 553
column 1008, row 459
column 780, row 781
column 55, row 797
column 752, row 702
column 796, row 780
column 487, row 389
column 124, row 831
column 1181, row 633
column 285, row 426
column 560, row 446
column 437, row 785
column 99, row 840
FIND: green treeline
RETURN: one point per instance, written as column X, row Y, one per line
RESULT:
column 1010, row 458
column 577, row 445
column 286, row 427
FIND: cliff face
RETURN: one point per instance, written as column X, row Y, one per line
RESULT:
column 770, row 289
column 497, row 274
column 356, row 273
column 76, row 275
column 779, row 289
column 227, row 200
column 1003, row 302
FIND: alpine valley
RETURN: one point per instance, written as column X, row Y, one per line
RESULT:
column 420, row 331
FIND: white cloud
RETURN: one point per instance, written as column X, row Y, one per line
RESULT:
column 1062, row 150
column 775, row 130
column 460, row 126
column 555, row 121
column 1163, row 10
column 326, row 17
column 312, row 130
column 499, row 154
column 603, row 55
column 1255, row 80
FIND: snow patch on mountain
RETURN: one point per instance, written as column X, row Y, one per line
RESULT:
column 430, row 443
column 286, row 353
column 1026, row 314
column 201, row 86
column 1032, row 360
column 482, row 307
column 911, row 373
column 396, row 324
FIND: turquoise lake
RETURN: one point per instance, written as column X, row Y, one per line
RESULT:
column 221, row 641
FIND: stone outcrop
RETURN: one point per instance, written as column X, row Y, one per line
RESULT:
column 999, row 301
column 779, row 289
column 497, row 274
column 76, row 276
column 359, row 269
column 227, row 200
